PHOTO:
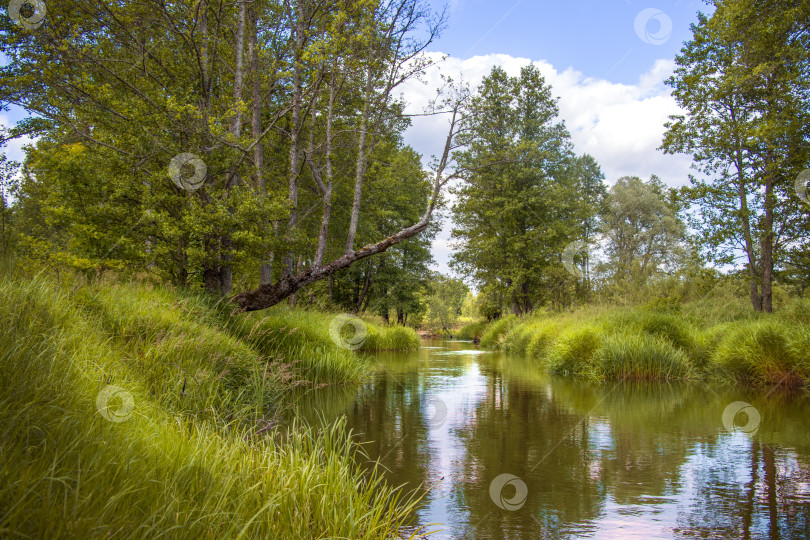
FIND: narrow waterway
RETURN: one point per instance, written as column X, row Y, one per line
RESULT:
column 512, row 453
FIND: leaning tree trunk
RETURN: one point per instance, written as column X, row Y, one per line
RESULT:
column 271, row 294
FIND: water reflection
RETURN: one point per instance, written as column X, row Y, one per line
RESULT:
column 598, row 461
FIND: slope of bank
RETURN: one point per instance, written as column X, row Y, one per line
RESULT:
column 130, row 411
column 660, row 343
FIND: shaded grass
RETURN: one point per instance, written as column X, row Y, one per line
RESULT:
column 189, row 462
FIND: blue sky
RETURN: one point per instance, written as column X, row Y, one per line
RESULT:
column 597, row 38
column 606, row 60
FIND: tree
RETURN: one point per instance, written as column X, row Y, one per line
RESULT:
column 8, row 181
column 643, row 233
column 743, row 82
column 519, row 204
column 132, row 86
column 445, row 301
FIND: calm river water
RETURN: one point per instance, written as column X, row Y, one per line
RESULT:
column 512, row 453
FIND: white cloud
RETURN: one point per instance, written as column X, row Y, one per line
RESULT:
column 620, row 125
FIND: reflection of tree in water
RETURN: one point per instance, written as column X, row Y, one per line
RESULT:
column 650, row 448
column 517, row 429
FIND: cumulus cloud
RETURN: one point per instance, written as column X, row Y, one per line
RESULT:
column 620, row 125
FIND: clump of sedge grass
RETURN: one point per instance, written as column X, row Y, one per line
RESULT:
column 641, row 357
column 472, row 330
column 495, row 332
column 764, row 352
column 574, row 350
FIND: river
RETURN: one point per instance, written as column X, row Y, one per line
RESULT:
column 510, row 452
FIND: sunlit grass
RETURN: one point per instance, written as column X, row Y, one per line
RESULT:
column 690, row 341
column 495, row 332
column 197, row 458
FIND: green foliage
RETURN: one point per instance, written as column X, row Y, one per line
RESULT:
column 189, row 461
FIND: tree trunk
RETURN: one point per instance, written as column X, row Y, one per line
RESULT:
column 360, row 166
column 266, row 269
column 766, row 256
column 269, row 295
column 295, row 133
column 366, row 286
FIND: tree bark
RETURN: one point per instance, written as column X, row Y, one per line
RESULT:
column 360, row 166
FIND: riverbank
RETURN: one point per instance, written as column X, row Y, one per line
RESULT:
column 669, row 342
column 139, row 411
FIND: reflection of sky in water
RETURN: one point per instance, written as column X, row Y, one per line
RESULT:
column 461, row 395
column 645, row 463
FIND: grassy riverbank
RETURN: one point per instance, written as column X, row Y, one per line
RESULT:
column 697, row 341
column 195, row 456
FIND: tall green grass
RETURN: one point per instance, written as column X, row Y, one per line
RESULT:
column 495, row 332
column 661, row 341
column 765, row 352
column 472, row 330
column 196, row 458
column 641, row 357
